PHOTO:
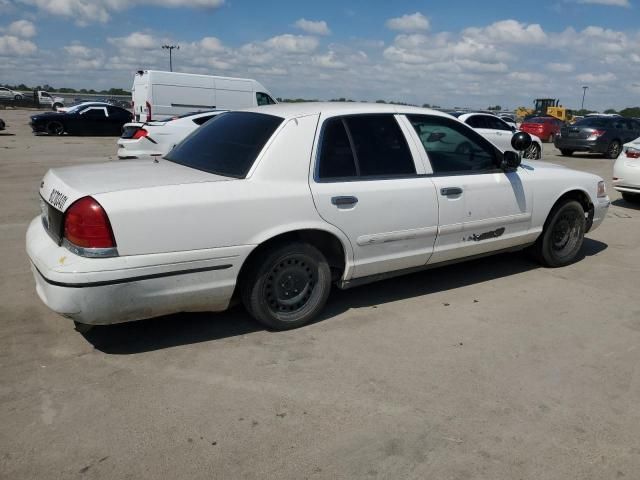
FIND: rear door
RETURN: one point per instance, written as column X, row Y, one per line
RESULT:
column 93, row 121
column 369, row 182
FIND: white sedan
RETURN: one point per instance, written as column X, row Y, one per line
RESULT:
column 276, row 204
column 499, row 132
column 8, row 94
column 155, row 139
column 626, row 172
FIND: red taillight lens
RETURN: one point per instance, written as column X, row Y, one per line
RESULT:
column 632, row 153
column 598, row 133
column 148, row 111
column 86, row 225
column 141, row 132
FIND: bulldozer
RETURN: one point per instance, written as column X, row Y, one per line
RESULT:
column 545, row 106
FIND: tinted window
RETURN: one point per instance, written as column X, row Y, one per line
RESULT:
column 453, row 148
column 592, row 122
column 264, row 99
column 93, row 113
column 203, row 119
column 227, row 145
column 477, row 121
column 497, row 124
column 380, row 146
column 336, row 157
column 537, row 120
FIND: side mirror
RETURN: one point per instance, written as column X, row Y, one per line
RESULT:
column 510, row 161
column 521, row 141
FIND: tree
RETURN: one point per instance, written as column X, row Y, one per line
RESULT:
column 631, row 112
column 610, row 110
column 497, row 108
column 426, row 105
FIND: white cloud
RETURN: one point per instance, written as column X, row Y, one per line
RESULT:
column 409, row 23
column 313, row 27
column 211, row 44
column 99, row 11
column 293, row 43
column 596, row 77
column 612, row 3
column 22, row 28
column 136, row 41
column 510, row 31
column 10, row 45
column 560, row 67
column 78, row 50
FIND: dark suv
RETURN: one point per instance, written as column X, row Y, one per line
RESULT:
column 604, row 135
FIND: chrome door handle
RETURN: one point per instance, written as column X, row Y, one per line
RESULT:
column 344, row 201
column 449, row 191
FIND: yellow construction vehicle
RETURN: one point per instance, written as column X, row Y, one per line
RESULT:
column 545, row 106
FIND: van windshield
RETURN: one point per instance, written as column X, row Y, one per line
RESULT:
column 227, row 145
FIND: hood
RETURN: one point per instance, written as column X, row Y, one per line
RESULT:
column 63, row 186
column 540, row 165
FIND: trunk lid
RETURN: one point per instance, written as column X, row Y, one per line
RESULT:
column 63, row 186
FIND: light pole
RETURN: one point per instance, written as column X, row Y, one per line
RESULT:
column 170, row 48
column 584, row 92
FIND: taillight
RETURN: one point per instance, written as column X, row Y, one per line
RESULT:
column 632, row 153
column 86, row 225
column 141, row 132
column 596, row 134
column 148, row 111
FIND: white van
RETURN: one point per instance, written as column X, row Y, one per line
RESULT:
column 161, row 95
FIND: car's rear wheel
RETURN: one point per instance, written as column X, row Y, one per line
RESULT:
column 631, row 197
column 288, row 287
column 563, row 235
column 18, row 97
column 56, row 106
column 55, row 128
column 565, row 152
column 613, row 150
column 533, row 152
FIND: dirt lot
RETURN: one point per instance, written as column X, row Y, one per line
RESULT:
column 494, row 369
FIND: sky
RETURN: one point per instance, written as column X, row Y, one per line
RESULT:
column 455, row 53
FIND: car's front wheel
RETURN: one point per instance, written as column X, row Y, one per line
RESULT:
column 55, row 128
column 288, row 286
column 563, row 235
column 56, row 106
column 613, row 150
column 533, row 152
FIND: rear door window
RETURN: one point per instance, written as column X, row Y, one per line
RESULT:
column 228, row 145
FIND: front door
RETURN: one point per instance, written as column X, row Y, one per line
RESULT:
column 482, row 208
column 366, row 182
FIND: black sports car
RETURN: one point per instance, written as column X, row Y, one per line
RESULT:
column 83, row 119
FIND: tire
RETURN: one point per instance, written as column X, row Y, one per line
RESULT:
column 613, row 150
column 288, row 287
column 565, row 152
column 534, row 152
column 55, row 128
column 56, row 106
column 631, row 197
column 563, row 235
column 17, row 97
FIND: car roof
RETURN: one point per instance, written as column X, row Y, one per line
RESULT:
column 466, row 115
column 294, row 110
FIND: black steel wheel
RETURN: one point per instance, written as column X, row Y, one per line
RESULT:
column 55, row 128
column 563, row 235
column 289, row 287
column 614, row 149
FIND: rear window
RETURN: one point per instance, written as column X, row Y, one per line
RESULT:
column 227, row 145
column 592, row 122
column 537, row 120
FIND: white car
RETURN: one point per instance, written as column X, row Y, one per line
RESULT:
column 8, row 94
column 499, row 132
column 155, row 139
column 626, row 171
column 274, row 204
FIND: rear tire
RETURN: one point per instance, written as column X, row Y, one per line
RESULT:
column 565, row 152
column 288, row 287
column 613, row 150
column 17, row 97
column 563, row 235
column 534, row 152
column 55, row 128
column 56, row 106
column 631, row 197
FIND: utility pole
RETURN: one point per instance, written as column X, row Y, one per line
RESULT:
column 170, row 48
column 584, row 92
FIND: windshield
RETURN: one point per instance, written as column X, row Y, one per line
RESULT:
column 226, row 145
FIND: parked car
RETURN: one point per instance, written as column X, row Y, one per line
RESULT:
column 597, row 134
column 161, row 95
column 84, row 119
column 499, row 132
column 545, row 128
column 8, row 94
column 276, row 203
column 155, row 139
column 82, row 104
column 626, row 172
column 45, row 98
column 508, row 119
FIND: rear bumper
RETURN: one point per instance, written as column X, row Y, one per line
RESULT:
column 581, row 145
column 626, row 174
column 137, row 148
column 121, row 289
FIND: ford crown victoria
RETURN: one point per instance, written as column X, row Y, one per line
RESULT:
column 274, row 205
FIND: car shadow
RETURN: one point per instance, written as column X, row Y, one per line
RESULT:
column 190, row 328
column 621, row 202
column 4, row 134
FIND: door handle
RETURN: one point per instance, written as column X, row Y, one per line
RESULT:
column 344, row 201
column 449, row 191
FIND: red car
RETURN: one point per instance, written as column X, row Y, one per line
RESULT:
column 544, row 127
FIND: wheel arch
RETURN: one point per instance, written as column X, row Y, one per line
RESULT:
column 581, row 196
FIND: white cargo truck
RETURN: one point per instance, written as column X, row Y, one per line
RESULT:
column 161, row 95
